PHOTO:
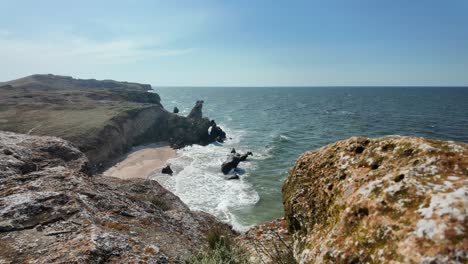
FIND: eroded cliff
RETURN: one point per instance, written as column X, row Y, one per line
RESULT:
column 383, row 200
column 104, row 119
column 51, row 211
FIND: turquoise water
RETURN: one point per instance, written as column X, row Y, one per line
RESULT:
column 279, row 124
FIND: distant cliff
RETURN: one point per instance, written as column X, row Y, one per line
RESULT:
column 383, row 200
column 103, row 118
column 51, row 211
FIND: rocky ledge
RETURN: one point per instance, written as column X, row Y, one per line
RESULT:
column 383, row 200
column 104, row 119
column 52, row 211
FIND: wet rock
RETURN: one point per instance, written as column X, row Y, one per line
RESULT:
column 382, row 200
column 233, row 161
column 216, row 133
column 234, row 177
column 176, row 110
column 167, row 170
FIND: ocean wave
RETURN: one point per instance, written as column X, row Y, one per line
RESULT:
column 199, row 182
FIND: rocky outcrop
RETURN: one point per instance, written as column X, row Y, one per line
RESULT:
column 268, row 243
column 384, row 200
column 104, row 119
column 233, row 161
column 196, row 112
column 51, row 211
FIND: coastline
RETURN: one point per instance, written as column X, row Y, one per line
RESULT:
column 142, row 161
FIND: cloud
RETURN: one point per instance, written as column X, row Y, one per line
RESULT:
column 120, row 51
column 78, row 55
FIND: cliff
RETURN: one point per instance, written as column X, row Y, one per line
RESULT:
column 51, row 211
column 383, row 200
column 104, row 119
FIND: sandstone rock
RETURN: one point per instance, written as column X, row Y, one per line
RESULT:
column 383, row 200
column 55, row 213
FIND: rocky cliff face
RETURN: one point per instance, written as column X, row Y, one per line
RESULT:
column 104, row 119
column 51, row 211
column 384, row 200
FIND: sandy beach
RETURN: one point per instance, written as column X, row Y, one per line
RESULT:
column 142, row 161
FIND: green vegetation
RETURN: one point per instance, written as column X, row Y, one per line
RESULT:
column 222, row 250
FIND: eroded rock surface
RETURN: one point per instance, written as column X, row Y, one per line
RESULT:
column 384, row 200
column 52, row 211
column 104, row 119
column 268, row 243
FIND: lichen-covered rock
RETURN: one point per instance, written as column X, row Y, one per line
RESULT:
column 268, row 242
column 383, row 200
column 51, row 211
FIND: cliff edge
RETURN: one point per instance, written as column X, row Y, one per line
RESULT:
column 51, row 211
column 383, row 200
column 104, row 119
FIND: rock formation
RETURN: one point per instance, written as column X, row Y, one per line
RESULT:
column 384, row 200
column 233, row 161
column 167, row 170
column 51, row 211
column 216, row 133
column 196, row 112
column 104, row 119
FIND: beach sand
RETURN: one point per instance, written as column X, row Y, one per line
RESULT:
column 142, row 161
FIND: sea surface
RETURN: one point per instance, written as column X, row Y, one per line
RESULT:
column 279, row 124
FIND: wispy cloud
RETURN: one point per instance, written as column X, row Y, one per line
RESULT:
column 78, row 49
column 78, row 55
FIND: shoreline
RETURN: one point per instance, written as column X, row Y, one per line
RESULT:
column 142, row 161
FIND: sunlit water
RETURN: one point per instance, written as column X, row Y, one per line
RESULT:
column 279, row 124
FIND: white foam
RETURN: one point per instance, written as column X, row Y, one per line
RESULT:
column 199, row 182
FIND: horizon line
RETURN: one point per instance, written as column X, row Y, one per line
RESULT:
column 310, row 86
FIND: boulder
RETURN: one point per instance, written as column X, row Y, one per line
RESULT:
column 382, row 200
column 167, row 170
column 234, row 160
column 176, row 110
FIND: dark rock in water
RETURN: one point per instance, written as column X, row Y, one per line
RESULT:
column 233, row 161
column 167, row 170
column 193, row 129
column 176, row 110
column 233, row 177
column 233, row 150
column 196, row 112
column 216, row 133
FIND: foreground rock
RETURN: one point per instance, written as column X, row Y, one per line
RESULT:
column 268, row 243
column 365, row 200
column 104, row 119
column 51, row 211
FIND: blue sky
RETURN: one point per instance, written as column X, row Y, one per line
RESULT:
column 239, row 43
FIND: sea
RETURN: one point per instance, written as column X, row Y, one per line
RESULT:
column 278, row 124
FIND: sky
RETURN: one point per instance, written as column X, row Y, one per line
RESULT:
column 239, row 42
